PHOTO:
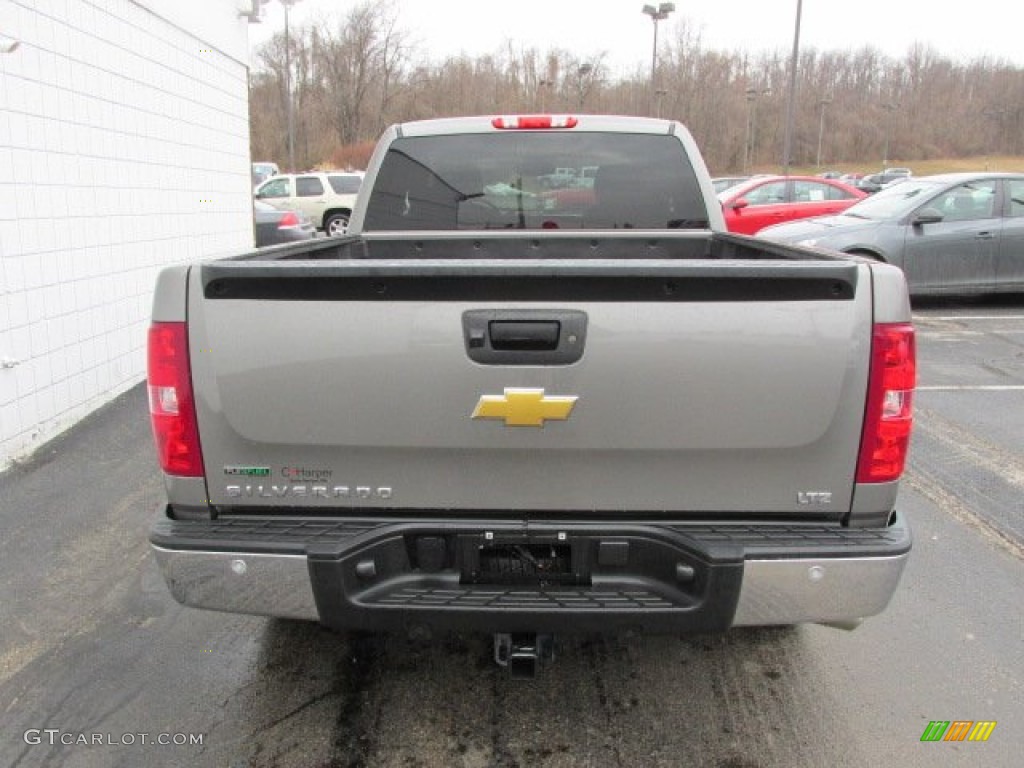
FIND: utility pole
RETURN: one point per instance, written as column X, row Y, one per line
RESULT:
column 890, row 107
column 821, row 128
column 288, row 85
column 542, row 88
column 787, row 147
column 749, row 149
column 751, row 98
column 582, row 72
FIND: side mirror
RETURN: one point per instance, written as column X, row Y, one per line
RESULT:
column 739, row 204
column 927, row 216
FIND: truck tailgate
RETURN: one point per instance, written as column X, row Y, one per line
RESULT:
column 669, row 387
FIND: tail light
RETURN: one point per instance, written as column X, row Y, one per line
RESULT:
column 533, row 122
column 171, row 405
column 889, row 415
column 290, row 219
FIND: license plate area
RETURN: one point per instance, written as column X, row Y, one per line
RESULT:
column 522, row 562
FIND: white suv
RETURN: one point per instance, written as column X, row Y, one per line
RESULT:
column 327, row 198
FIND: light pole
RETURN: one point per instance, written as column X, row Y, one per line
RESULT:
column 751, row 98
column 542, row 88
column 582, row 72
column 891, row 107
column 787, row 145
column 997, row 115
column 753, row 94
column 288, row 85
column 657, row 14
column 822, row 103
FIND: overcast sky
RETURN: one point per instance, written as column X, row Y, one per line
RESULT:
column 586, row 27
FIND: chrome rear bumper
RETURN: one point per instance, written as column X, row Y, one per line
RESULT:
column 364, row 581
column 805, row 590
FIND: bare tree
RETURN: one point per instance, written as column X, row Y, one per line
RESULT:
column 352, row 79
column 361, row 59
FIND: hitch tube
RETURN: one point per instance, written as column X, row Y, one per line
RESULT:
column 523, row 652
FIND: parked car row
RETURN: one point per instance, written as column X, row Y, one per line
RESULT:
column 760, row 201
column 959, row 232
column 950, row 233
column 327, row 198
column 751, row 203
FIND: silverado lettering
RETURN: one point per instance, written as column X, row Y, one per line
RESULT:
column 322, row 491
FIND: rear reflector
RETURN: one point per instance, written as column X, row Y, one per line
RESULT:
column 888, row 418
column 533, row 122
column 171, row 405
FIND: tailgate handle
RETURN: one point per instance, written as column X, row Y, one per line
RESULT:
column 524, row 336
column 536, row 335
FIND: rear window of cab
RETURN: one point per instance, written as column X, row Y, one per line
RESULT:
column 536, row 180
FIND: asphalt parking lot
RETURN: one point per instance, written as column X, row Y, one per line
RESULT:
column 971, row 395
column 94, row 646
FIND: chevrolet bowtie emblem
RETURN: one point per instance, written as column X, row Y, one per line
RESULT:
column 524, row 407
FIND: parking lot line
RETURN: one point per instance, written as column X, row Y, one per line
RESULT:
column 972, row 388
column 959, row 318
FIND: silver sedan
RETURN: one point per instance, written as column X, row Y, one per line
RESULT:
column 953, row 233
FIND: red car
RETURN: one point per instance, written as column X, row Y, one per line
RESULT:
column 764, row 200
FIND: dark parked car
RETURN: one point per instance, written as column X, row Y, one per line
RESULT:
column 876, row 181
column 272, row 226
column 953, row 233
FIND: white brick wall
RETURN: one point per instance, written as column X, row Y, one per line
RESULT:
column 124, row 147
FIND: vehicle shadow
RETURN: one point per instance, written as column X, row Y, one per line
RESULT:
column 752, row 697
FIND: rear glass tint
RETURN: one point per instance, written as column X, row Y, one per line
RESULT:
column 536, row 180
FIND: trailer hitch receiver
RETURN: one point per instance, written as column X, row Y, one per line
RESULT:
column 523, row 653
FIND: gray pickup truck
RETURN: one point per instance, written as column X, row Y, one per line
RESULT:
column 493, row 407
